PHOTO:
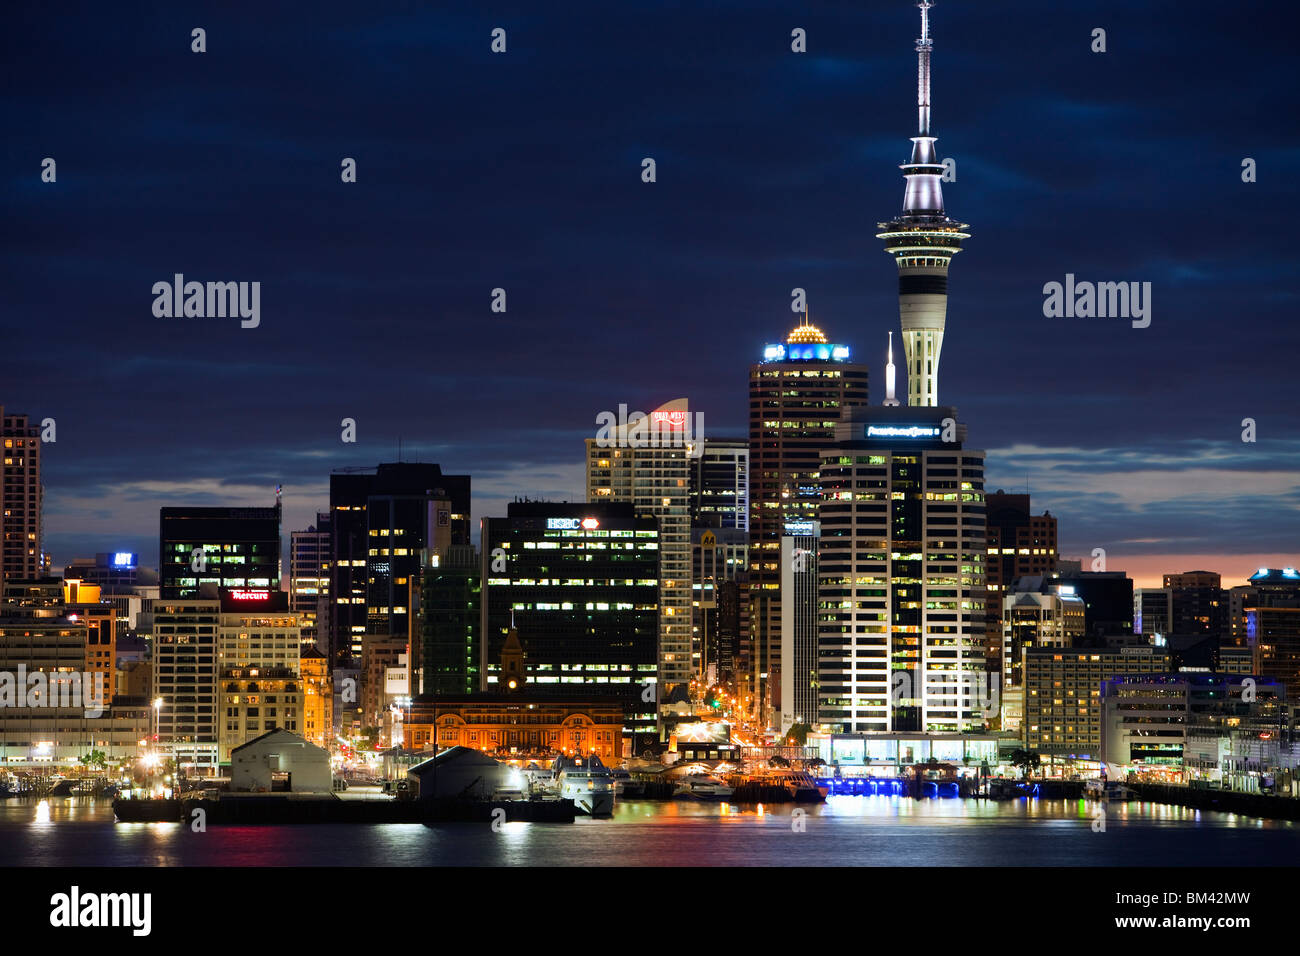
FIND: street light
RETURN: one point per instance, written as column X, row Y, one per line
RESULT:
column 157, row 721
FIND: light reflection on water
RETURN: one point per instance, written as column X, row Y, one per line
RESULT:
column 844, row 831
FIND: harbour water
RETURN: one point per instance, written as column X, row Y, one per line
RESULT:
column 845, row 831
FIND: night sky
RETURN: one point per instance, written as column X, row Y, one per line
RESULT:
column 523, row 171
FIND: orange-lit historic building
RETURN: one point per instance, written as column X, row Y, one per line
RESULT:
column 513, row 722
column 317, row 698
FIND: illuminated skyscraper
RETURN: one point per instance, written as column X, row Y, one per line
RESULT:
column 1273, row 627
column 228, row 547
column 795, row 396
column 578, row 587
column 20, row 499
column 648, row 463
column 259, row 685
column 1020, row 544
column 309, row 578
column 923, row 240
column 901, row 594
column 383, row 523
column 719, row 486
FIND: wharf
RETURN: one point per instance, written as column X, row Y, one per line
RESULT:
column 1262, row 805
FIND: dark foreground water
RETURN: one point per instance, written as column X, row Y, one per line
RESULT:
column 846, row 831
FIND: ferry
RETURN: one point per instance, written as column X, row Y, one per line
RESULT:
column 588, row 783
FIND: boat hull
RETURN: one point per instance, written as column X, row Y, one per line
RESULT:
column 714, row 797
column 594, row 803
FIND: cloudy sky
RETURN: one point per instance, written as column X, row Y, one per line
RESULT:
column 522, row 171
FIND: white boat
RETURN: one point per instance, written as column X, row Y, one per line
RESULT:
column 700, row 786
column 588, row 783
column 803, row 788
column 1098, row 789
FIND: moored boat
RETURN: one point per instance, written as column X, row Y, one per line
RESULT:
column 702, row 787
column 801, row 786
column 1101, row 789
column 588, row 783
column 625, row 785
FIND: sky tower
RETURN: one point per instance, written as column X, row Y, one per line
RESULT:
column 923, row 240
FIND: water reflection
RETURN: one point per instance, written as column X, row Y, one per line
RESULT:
column 844, row 831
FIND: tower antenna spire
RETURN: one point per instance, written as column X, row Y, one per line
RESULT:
column 923, row 47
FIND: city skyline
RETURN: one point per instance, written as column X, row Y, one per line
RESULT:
column 509, row 401
column 1138, row 451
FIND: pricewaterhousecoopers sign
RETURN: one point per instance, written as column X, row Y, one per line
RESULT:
column 903, row 431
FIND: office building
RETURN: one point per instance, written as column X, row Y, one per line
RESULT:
column 1239, row 598
column 1199, row 605
column 122, row 583
column 385, row 682
column 53, row 714
column 450, row 618
column 258, row 647
column 114, row 572
column 580, row 585
column 718, row 567
column 901, row 566
column 386, row 524
column 1063, row 689
column 82, row 603
column 1020, row 544
column 67, row 617
column 185, row 678
column 647, row 463
column 1241, row 735
column 1037, row 612
column 1107, row 601
column 719, row 484
column 796, row 394
column 224, row 547
column 1273, row 627
column 309, row 579
column 799, row 623
column 21, row 499
column 1178, row 723
column 719, row 489
column 1153, row 612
